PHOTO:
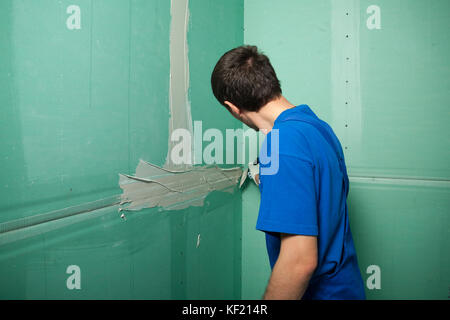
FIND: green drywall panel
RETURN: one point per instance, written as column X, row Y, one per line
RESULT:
column 82, row 105
column 255, row 264
column 390, row 117
column 218, row 28
column 403, row 228
column 153, row 254
column 215, row 27
column 402, row 84
column 402, row 129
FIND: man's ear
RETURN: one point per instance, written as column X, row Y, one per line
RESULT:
column 233, row 109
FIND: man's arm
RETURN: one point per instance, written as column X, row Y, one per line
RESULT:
column 294, row 267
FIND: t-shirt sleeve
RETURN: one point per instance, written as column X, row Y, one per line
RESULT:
column 288, row 198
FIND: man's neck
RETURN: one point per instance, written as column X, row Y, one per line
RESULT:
column 266, row 116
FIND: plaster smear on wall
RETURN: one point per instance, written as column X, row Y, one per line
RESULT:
column 179, row 104
column 176, row 186
column 152, row 186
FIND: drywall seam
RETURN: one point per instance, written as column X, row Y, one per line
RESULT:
column 179, row 104
column 409, row 181
column 345, row 72
column 152, row 186
column 50, row 225
column 58, row 214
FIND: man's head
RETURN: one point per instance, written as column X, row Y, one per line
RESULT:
column 243, row 81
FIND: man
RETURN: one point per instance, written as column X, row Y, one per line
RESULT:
column 303, row 209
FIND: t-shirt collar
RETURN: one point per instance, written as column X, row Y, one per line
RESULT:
column 298, row 112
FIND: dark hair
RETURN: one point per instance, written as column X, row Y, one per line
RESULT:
column 245, row 77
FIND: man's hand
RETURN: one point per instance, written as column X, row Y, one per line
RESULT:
column 252, row 172
column 294, row 267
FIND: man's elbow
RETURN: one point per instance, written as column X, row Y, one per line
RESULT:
column 305, row 269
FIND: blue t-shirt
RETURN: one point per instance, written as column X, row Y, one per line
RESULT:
column 308, row 196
